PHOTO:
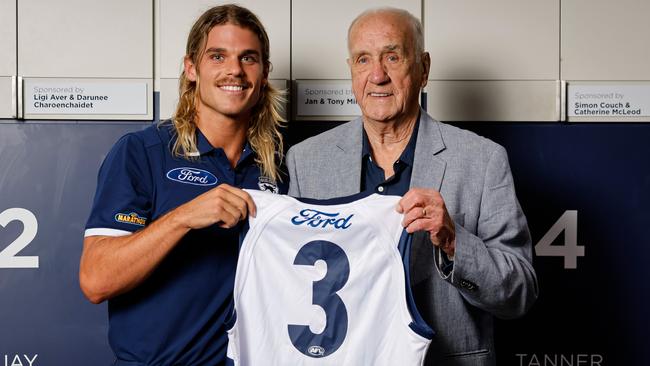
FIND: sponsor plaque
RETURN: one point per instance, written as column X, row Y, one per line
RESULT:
column 608, row 101
column 43, row 97
column 324, row 98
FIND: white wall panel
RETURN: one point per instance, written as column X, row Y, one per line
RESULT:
column 176, row 19
column 492, row 40
column 85, row 38
column 7, row 97
column 7, row 37
column 7, row 58
column 606, row 40
column 493, row 100
column 493, row 60
column 319, row 34
column 87, row 45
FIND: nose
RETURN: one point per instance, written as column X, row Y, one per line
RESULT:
column 378, row 74
column 234, row 67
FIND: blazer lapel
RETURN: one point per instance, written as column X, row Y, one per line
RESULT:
column 428, row 172
column 348, row 155
column 428, row 169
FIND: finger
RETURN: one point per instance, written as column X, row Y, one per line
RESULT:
column 237, row 206
column 435, row 238
column 432, row 223
column 420, row 225
column 419, row 197
column 228, row 215
column 413, row 214
column 237, row 198
column 408, row 201
column 228, row 221
column 243, row 195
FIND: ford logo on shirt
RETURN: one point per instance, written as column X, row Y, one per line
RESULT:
column 315, row 218
column 194, row 176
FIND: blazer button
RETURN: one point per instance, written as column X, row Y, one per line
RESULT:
column 468, row 285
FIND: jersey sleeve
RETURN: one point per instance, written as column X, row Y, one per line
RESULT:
column 123, row 199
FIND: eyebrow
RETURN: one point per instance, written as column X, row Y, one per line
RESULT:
column 244, row 52
column 390, row 48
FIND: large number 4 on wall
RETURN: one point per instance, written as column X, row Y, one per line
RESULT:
column 8, row 257
column 568, row 223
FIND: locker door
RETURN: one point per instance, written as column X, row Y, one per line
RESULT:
column 86, row 59
column 605, row 60
column 493, row 60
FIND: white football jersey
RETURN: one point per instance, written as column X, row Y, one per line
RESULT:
column 324, row 283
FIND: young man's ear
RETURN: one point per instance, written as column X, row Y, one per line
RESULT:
column 189, row 68
column 267, row 71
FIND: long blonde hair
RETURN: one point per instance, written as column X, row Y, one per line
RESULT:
column 263, row 131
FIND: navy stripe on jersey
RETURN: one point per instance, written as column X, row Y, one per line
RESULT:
column 418, row 325
column 335, row 201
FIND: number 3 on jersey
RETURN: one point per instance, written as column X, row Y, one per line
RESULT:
column 324, row 295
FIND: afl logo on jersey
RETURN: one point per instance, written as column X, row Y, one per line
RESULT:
column 198, row 177
column 317, row 351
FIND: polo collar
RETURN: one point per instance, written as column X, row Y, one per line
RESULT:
column 205, row 147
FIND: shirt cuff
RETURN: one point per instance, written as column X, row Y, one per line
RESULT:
column 445, row 263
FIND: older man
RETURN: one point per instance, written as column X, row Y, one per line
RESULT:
column 458, row 192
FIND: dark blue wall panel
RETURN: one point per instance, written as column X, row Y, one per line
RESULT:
column 51, row 170
column 595, row 314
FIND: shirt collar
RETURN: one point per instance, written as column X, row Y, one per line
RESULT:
column 202, row 143
column 205, row 147
column 407, row 155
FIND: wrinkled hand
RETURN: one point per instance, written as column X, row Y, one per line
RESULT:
column 223, row 205
column 425, row 210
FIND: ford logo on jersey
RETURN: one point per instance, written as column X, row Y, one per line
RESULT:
column 316, row 350
column 194, row 176
column 315, row 218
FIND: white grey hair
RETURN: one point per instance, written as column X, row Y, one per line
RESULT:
column 414, row 22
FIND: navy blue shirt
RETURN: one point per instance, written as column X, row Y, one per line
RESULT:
column 176, row 316
column 373, row 176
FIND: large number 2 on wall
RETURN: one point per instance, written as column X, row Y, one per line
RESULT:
column 8, row 257
column 324, row 295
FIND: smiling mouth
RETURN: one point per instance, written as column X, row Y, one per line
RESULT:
column 232, row 88
column 380, row 94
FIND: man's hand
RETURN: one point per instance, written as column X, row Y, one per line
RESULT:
column 223, row 205
column 425, row 210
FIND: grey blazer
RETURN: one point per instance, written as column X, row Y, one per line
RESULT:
column 492, row 273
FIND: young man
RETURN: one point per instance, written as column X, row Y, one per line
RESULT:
column 458, row 193
column 161, row 241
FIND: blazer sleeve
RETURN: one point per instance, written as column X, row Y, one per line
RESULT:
column 294, row 191
column 493, row 267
